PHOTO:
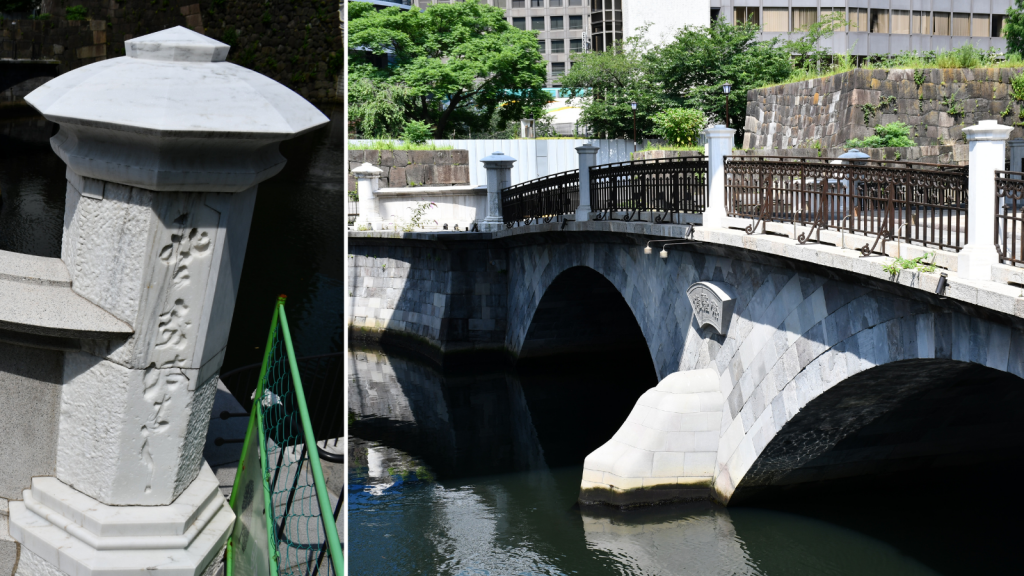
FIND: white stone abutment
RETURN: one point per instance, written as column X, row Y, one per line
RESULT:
column 805, row 319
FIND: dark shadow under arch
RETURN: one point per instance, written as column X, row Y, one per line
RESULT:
column 583, row 365
column 582, row 312
column 902, row 423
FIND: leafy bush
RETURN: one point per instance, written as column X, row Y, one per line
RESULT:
column 1017, row 87
column 891, row 135
column 417, row 132
column 966, row 56
column 77, row 13
column 680, row 126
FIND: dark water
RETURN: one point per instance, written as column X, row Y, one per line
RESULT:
column 295, row 243
column 459, row 475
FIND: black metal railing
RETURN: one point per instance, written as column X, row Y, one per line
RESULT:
column 663, row 188
column 541, row 199
column 1010, row 217
column 923, row 204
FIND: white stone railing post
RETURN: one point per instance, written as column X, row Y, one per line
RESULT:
column 720, row 141
column 499, row 177
column 367, row 180
column 587, row 159
column 986, row 154
column 165, row 148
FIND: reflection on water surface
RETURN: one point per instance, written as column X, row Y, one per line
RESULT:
column 450, row 475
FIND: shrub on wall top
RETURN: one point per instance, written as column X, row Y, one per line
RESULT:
column 77, row 13
column 891, row 135
column 680, row 126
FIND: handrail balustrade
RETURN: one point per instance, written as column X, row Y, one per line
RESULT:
column 541, row 199
column 924, row 204
column 664, row 187
column 1009, row 224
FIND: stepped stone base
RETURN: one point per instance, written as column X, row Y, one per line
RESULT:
column 63, row 531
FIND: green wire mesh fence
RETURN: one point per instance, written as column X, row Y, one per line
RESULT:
column 299, row 515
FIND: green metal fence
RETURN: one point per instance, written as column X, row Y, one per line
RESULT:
column 286, row 524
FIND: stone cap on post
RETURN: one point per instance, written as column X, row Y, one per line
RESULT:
column 987, row 130
column 172, row 115
column 366, row 171
column 498, row 160
column 587, row 148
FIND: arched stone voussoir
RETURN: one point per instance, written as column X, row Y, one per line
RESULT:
column 931, row 339
column 666, row 449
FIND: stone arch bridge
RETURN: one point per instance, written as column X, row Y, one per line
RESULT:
column 821, row 347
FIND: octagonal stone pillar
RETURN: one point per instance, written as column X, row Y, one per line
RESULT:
column 164, row 150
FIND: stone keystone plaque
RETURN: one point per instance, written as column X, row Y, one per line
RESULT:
column 712, row 304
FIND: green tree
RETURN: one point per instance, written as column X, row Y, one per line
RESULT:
column 699, row 60
column 460, row 63
column 1013, row 28
column 807, row 53
column 605, row 83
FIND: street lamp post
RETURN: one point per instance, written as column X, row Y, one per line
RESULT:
column 726, row 88
column 633, row 106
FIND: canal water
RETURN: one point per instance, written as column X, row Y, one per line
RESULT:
column 478, row 472
column 295, row 242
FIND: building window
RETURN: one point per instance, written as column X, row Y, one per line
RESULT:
column 804, row 17
column 555, row 3
column 901, row 21
column 920, row 24
column 575, row 22
column 880, row 21
column 961, row 25
column 980, row 25
column 519, row 3
column 776, row 20
column 541, row 46
column 858, row 20
column 997, row 25
column 575, row 45
column 537, row 23
column 941, row 22
column 519, row 23
column 558, row 46
column 558, row 69
column 715, row 12
column 575, row 2
column 556, row 23
column 746, row 16
column 536, row 3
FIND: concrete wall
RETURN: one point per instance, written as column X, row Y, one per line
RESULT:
column 832, row 110
column 534, row 158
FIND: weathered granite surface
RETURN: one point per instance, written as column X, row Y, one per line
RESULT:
column 800, row 327
column 403, row 168
column 936, row 103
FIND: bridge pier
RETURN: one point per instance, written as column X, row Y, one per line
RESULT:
column 164, row 151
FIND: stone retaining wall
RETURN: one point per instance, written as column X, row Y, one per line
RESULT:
column 936, row 103
column 404, row 168
column 296, row 43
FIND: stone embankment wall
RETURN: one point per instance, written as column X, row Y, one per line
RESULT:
column 296, row 42
column 937, row 104
column 955, row 154
column 406, row 168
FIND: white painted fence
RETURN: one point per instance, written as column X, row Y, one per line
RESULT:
column 534, row 158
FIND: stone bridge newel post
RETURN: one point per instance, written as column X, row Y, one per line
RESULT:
column 987, row 153
column 720, row 140
column 587, row 158
column 164, row 150
column 499, row 177
column 367, row 176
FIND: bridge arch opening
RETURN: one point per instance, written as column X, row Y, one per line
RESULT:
column 583, row 365
column 927, row 444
